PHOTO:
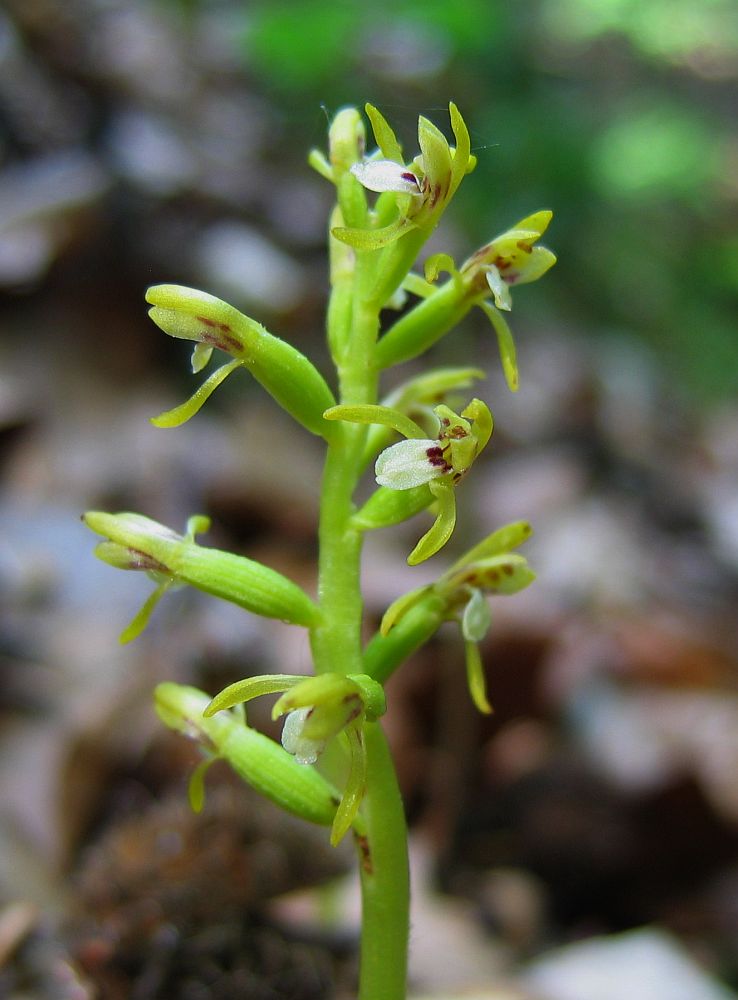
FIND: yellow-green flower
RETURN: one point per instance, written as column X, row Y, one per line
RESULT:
column 441, row 463
column 318, row 709
column 512, row 258
column 422, row 189
column 489, row 568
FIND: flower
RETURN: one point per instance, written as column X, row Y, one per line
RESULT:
column 286, row 374
column 490, row 567
column 317, row 710
column 136, row 542
column 441, row 463
column 140, row 543
column 426, row 185
column 512, row 258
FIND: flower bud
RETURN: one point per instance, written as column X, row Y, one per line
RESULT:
column 261, row 762
column 137, row 542
column 281, row 369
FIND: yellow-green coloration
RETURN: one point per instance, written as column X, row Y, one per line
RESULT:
column 261, row 762
column 286, row 374
column 317, row 710
column 386, row 207
column 137, row 542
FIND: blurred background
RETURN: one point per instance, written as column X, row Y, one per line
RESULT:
column 582, row 843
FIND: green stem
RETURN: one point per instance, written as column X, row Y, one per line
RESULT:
column 336, row 639
column 385, row 879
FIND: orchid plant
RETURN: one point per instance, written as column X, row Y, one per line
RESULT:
column 386, row 209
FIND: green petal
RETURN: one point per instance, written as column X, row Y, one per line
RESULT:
column 436, row 157
column 399, row 608
column 182, row 413
column 502, row 540
column 372, row 414
column 251, row 687
column 355, row 786
column 502, row 574
column 481, row 415
column 537, row 222
column 505, row 343
column 475, row 678
column 460, row 164
column 442, row 528
column 383, row 133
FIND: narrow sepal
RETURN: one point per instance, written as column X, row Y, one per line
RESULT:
column 442, row 528
column 475, row 678
column 373, row 239
column 510, row 536
column 400, row 607
column 185, row 411
column 505, row 343
column 250, row 687
column 463, row 163
column 384, row 135
column 353, row 793
column 196, row 785
column 141, row 619
column 368, row 413
column 502, row 574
